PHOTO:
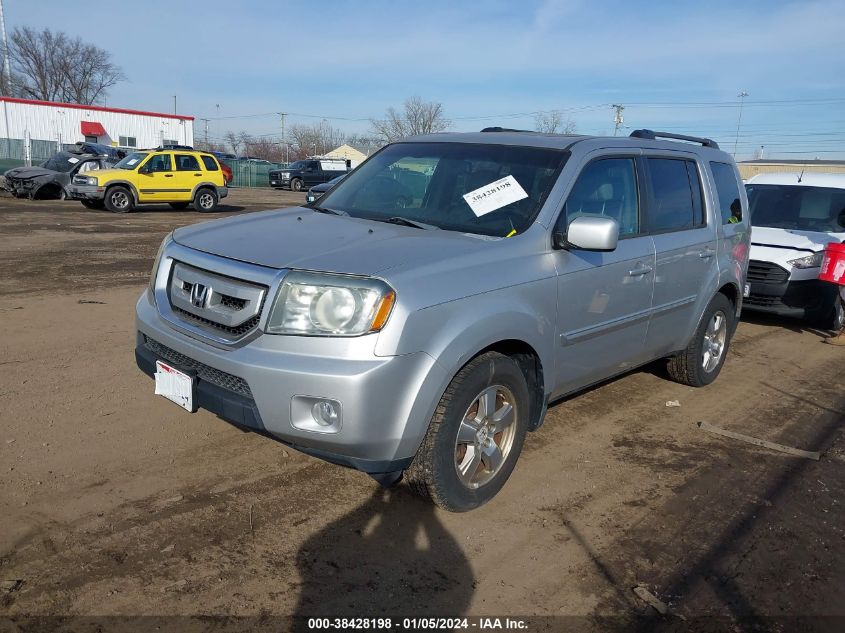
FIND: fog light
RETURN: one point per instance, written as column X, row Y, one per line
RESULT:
column 319, row 415
column 324, row 413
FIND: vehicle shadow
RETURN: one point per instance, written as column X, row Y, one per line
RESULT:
column 390, row 556
column 793, row 325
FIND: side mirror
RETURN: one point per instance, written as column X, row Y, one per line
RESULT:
column 589, row 233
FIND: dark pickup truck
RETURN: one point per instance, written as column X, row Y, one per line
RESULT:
column 304, row 174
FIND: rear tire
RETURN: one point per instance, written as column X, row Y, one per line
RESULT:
column 119, row 200
column 178, row 205
column 93, row 204
column 475, row 436
column 700, row 363
column 205, row 200
column 296, row 184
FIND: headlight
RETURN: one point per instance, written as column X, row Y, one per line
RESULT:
column 808, row 261
column 323, row 304
column 285, row 175
column 85, row 180
column 167, row 239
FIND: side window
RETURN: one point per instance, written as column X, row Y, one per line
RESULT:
column 159, row 162
column 677, row 195
column 210, row 163
column 313, row 166
column 607, row 187
column 186, row 162
column 727, row 190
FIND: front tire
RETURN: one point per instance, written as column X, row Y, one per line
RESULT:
column 296, row 184
column 475, row 436
column 206, row 200
column 700, row 363
column 119, row 200
column 833, row 318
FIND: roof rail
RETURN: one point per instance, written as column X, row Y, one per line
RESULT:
column 502, row 129
column 652, row 135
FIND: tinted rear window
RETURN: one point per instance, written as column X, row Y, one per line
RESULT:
column 676, row 191
column 727, row 191
column 186, row 162
column 210, row 163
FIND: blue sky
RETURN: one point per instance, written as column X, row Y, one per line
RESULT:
column 675, row 65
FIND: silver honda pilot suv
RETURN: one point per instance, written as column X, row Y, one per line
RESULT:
column 420, row 317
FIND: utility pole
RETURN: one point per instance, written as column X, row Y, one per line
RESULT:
column 174, row 104
column 206, row 132
column 6, row 83
column 741, row 96
column 284, row 139
column 618, row 119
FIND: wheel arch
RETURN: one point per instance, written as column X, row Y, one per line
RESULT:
column 121, row 183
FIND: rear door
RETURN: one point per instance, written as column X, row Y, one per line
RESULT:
column 604, row 299
column 685, row 244
column 189, row 174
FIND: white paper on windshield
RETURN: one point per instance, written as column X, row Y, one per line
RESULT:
column 72, row 160
column 132, row 162
column 496, row 195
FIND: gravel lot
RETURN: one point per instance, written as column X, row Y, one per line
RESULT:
column 116, row 502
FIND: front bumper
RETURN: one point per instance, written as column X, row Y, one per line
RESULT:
column 801, row 299
column 386, row 402
column 86, row 192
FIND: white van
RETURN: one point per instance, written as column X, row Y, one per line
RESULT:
column 794, row 216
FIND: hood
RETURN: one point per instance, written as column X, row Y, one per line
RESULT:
column 307, row 240
column 24, row 173
column 791, row 238
column 109, row 174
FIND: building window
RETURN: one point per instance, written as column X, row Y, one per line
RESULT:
column 127, row 141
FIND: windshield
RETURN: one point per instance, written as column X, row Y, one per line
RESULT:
column 488, row 189
column 131, row 161
column 820, row 209
column 297, row 165
column 61, row 162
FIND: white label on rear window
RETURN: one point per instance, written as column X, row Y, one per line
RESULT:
column 496, row 195
column 132, row 162
column 73, row 160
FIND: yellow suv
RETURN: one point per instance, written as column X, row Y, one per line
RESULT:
column 176, row 176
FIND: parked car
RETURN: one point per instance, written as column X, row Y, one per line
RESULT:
column 318, row 190
column 429, row 338
column 50, row 179
column 795, row 215
column 304, row 174
column 179, row 178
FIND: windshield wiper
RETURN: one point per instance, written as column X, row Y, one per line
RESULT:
column 329, row 211
column 396, row 219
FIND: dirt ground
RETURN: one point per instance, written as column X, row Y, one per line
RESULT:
column 114, row 502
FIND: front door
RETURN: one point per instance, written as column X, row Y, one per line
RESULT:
column 604, row 298
column 685, row 244
column 156, row 179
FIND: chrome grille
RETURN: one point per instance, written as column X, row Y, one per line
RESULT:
column 204, row 372
column 765, row 272
column 214, row 302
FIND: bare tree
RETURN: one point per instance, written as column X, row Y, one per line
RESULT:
column 552, row 122
column 235, row 140
column 314, row 140
column 418, row 117
column 55, row 67
column 365, row 144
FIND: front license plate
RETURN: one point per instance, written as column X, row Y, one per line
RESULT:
column 746, row 291
column 175, row 385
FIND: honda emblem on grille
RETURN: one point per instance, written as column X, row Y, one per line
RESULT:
column 199, row 295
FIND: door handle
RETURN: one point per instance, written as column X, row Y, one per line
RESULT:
column 198, row 175
column 640, row 270
column 168, row 175
column 707, row 253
